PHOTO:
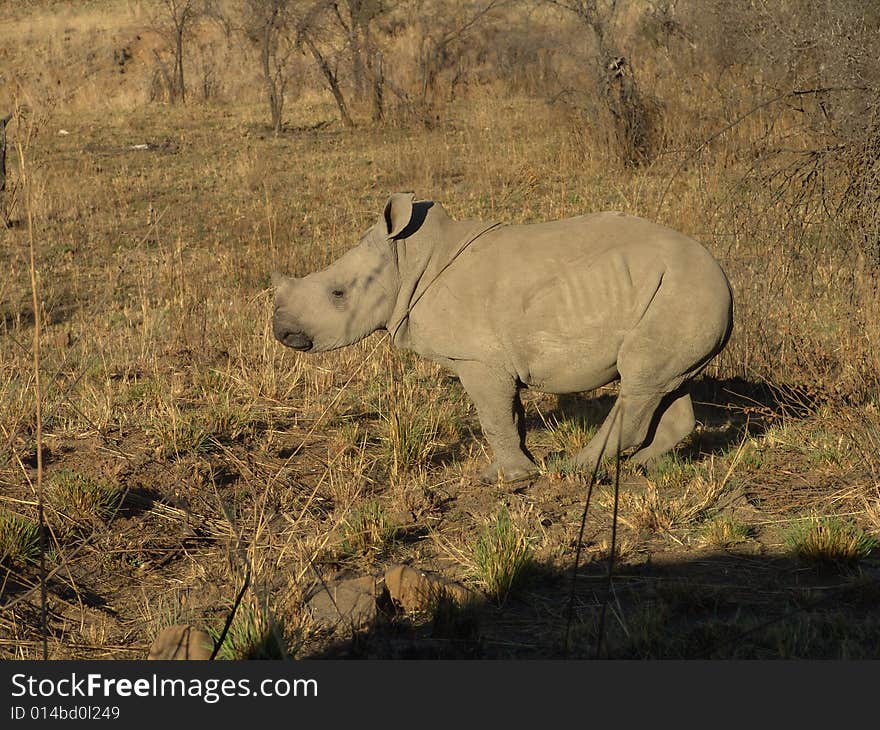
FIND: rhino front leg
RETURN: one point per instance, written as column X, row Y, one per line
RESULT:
column 496, row 396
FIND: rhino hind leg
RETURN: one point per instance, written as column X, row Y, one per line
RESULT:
column 626, row 426
column 656, row 362
column 674, row 421
column 496, row 397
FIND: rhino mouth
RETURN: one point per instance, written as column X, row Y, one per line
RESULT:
column 296, row 340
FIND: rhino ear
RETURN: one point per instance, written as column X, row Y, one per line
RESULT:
column 276, row 278
column 398, row 212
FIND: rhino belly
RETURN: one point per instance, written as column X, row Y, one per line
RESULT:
column 553, row 364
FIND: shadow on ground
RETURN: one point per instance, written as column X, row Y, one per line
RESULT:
column 725, row 410
column 666, row 601
column 710, row 606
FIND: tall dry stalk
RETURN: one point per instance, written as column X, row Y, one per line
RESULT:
column 38, row 392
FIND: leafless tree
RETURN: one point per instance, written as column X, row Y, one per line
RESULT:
column 318, row 36
column 329, row 32
column 616, row 82
column 174, row 21
column 274, row 26
column 818, row 64
column 330, row 74
column 356, row 19
column 445, row 34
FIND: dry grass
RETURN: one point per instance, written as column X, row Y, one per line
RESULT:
column 368, row 530
column 725, row 532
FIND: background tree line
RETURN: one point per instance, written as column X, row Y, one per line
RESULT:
column 646, row 78
column 786, row 92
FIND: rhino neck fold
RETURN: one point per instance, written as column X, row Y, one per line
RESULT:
column 421, row 258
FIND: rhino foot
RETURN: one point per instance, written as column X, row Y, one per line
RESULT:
column 510, row 473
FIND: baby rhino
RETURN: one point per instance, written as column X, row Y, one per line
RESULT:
column 562, row 307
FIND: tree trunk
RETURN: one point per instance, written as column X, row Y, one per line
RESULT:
column 180, row 89
column 357, row 62
column 3, row 122
column 378, row 89
column 619, row 91
column 358, row 44
column 274, row 94
column 332, row 82
column 623, row 100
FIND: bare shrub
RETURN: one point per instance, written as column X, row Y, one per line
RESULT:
column 445, row 36
column 272, row 25
column 817, row 152
column 173, row 20
column 357, row 20
column 436, row 47
column 627, row 106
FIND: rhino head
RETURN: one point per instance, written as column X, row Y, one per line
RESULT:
column 351, row 298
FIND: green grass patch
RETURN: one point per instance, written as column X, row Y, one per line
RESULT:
column 724, row 532
column 252, row 635
column 561, row 465
column 19, row 539
column 502, row 556
column 672, row 469
column 82, row 498
column 828, row 541
column 569, row 435
column 175, row 433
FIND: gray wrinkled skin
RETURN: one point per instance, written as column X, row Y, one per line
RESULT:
column 562, row 307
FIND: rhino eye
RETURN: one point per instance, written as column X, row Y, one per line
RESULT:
column 338, row 295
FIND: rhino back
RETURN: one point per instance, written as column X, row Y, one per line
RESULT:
column 552, row 302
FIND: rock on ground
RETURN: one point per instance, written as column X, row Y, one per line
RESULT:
column 351, row 602
column 415, row 590
column 181, row 642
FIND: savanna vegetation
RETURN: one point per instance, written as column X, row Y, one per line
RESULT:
column 159, row 450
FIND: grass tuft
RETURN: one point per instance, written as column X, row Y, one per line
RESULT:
column 19, row 539
column 368, row 531
column 175, row 433
column 410, row 436
column 569, row 435
column 252, row 636
column 560, row 465
column 724, row 532
column 168, row 609
column 502, row 556
column 828, row 541
column 82, row 498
